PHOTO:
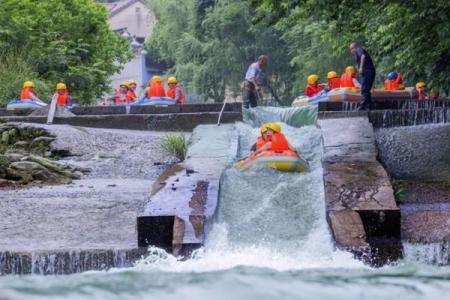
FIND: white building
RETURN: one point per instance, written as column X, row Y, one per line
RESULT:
column 134, row 20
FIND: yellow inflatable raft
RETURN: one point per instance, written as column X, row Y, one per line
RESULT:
column 284, row 161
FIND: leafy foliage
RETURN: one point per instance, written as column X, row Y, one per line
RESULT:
column 211, row 44
column 68, row 41
column 174, row 145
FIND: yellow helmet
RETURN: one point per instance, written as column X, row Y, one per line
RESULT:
column 28, row 84
column 125, row 84
column 61, row 86
column 350, row 69
column 156, row 79
column 274, row 126
column 172, row 80
column 131, row 81
column 420, row 85
column 264, row 128
column 312, row 79
column 332, row 74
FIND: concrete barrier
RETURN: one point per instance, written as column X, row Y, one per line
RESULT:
column 158, row 122
column 184, row 199
column 386, row 103
column 360, row 203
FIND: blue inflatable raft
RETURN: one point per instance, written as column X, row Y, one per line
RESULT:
column 23, row 104
column 153, row 101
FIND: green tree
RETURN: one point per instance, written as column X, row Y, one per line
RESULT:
column 64, row 40
column 212, row 43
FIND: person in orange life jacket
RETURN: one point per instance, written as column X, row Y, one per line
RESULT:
column 131, row 94
column 275, row 140
column 261, row 140
column 334, row 81
column 394, row 81
column 313, row 86
column 348, row 79
column 120, row 95
column 27, row 92
column 175, row 90
column 421, row 88
column 155, row 88
column 62, row 94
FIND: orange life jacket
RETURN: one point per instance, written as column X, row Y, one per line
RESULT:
column 260, row 142
column 156, row 89
column 62, row 99
column 347, row 80
column 393, row 84
column 334, row 83
column 25, row 94
column 311, row 90
column 279, row 142
column 171, row 93
column 120, row 97
column 131, row 96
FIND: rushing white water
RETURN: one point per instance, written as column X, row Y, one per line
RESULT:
column 270, row 241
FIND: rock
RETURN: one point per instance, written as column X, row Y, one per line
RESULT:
column 27, row 166
column 52, row 166
column 11, row 157
column 5, row 137
column 41, row 140
column 21, row 145
column 2, row 171
column 77, row 175
column 6, row 183
column 18, row 175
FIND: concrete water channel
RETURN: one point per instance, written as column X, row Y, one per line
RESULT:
column 372, row 207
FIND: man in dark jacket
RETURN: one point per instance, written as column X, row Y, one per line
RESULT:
column 367, row 72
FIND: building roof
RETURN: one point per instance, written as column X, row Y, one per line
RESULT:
column 118, row 6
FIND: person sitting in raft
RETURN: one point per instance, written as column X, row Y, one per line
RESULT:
column 394, row 81
column 261, row 140
column 155, row 88
column 62, row 95
column 348, row 79
column 131, row 94
column 175, row 90
column 120, row 95
column 334, row 81
column 313, row 86
column 421, row 88
column 274, row 140
column 27, row 93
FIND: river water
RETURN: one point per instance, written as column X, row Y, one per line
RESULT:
column 270, row 241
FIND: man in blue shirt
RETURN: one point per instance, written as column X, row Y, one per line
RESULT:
column 251, row 90
column 367, row 72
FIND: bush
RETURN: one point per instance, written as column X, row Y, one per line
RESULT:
column 14, row 70
column 174, row 145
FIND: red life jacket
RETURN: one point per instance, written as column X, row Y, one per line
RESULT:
column 62, row 99
column 393, row 84
column 171, row 93
column 25, row 94
column 422, row 93
column 120, row 97
column 311, row 90
column 156, row 89
column 279, row 142
column 334, row 83
column 131, row 96
column 347, row 80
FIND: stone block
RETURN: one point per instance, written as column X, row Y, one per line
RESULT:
column 426, row 227
column 348, row 229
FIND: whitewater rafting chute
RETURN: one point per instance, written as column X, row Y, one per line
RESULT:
column 16, row 104
column 284, row 161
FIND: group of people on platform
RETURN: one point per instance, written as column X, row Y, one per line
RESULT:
column 126, row 93
column 61, row 94
column 251, row 90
